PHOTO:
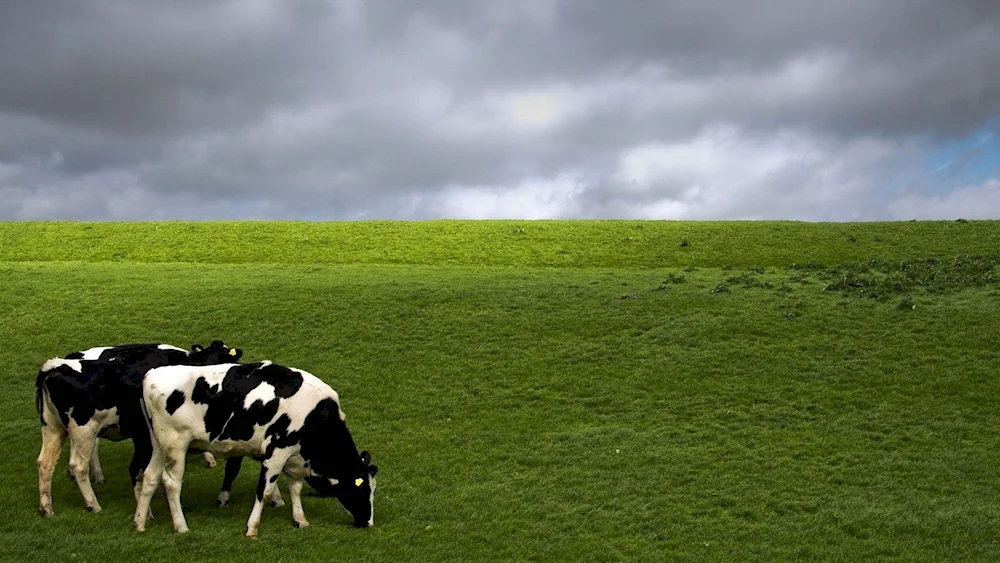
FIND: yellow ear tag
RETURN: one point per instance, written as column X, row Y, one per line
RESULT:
column 358, row 481
column 232, row 351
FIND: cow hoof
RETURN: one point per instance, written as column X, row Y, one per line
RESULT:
column 210, row 463
column 275, row 503
column 220, row 503
column 98, row 480
column 95, row 509
column 46, row 512
column 252, row 534
column 301, row 524
column 183, row 530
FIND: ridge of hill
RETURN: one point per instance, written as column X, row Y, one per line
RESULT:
column 517, row 243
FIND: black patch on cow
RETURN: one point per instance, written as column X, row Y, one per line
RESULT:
column 285, row 381
column 327, row 444
column 273, row 478
column 74, row 356
column 175, row 400
column 279, row 436
column 203, row 393
column 241, row 425
column 226, row 417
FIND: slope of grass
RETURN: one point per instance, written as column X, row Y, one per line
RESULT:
column 604, row 413
column 621, row 244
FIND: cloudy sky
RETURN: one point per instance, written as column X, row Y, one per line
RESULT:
column 418, row 109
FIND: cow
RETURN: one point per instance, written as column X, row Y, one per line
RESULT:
column 286, row 418
column 96, row 393
column 105, row 353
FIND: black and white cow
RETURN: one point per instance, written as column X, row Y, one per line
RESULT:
column 97, row 393
column 286, row 418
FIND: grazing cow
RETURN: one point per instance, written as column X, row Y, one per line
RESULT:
column 286, row 418
column 97, row 393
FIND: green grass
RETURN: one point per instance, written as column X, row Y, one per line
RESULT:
column 559, row 393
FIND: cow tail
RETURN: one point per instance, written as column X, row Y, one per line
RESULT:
column 145, row 413
column 39, row 395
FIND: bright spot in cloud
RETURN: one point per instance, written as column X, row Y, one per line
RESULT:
column 537, row 110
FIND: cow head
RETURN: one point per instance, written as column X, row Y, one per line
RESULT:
column 356, row 491
column 216, row 353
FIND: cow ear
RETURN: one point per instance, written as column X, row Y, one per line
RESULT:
column 372, row 470
column 366, row 458
column 196, row 348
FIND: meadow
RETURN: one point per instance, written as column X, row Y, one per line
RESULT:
column 548, row 390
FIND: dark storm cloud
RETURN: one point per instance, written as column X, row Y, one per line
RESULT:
column 155, row 68
column 412, row 109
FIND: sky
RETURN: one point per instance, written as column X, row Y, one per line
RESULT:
column 819, row 110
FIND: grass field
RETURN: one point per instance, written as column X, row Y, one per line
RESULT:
column 607, row 391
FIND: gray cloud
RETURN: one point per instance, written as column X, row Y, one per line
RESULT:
column 116, row 109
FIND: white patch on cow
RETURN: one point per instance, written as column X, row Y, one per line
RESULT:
column 263, row 393
column 94, row 353
column 104, row 418
column 169, row 347
column 311, row 380
column 57, row 362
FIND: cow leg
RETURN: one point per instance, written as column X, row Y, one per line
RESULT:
column 52, row 442
column 147, row 485
column 173, row 478
column 81, row 447
column 141, row 457
column 69, row 469
column 232, row 471
column 95, row 465
column 274, row 498
column 270, row 469
column 209, row 460
column 295, row 491
column 295, row 470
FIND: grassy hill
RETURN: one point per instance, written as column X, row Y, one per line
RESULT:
column 570, row 244
column 608, row 390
